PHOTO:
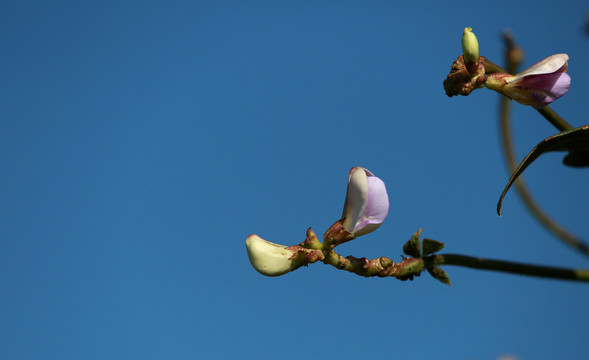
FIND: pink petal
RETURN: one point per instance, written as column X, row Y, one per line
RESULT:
column 377, row 207
column 546, row 88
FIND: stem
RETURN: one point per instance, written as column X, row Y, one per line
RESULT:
column 507, row 266
column 409, row 267
column 554, row 119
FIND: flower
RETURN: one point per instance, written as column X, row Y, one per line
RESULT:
column 538, row 85
column 268, row 258
column 367, row 203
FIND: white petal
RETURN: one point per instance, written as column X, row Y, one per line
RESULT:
column 356, row 197
column 546, row 66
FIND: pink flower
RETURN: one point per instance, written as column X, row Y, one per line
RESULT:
column 538, row 85
column 367, row 202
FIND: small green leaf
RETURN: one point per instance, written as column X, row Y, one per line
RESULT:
column 576, row 141
column 413, row 246
column 440, row 275
column 431, row 246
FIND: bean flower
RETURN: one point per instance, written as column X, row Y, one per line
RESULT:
column 367, row 202
column 538, row 85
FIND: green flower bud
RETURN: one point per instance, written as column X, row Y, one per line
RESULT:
column 470, row 47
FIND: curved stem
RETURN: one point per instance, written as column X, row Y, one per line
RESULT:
column 525, row 194
column 513, row 56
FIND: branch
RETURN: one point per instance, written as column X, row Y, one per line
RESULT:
column 413, row 266
column 509, row 267
column 409, row 267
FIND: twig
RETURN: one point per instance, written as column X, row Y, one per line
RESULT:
column 312, row 250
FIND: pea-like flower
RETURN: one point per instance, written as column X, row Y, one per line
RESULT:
column 367, row 203
column 268, row 258
column 538, row 85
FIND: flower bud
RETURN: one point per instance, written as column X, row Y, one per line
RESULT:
column 367, row 202
column 268, row 258
column 470, row 47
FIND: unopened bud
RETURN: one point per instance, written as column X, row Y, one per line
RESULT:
column 268, row 258
column 470, row 47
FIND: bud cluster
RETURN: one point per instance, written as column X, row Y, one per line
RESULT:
column 537, row 86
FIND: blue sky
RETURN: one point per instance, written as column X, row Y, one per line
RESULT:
column 142, row 142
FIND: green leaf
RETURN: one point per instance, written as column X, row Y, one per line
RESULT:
column 576, row 141
column 413, row 246
column 431, row 246
column 440, row 275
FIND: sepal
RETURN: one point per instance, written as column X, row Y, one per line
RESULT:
column 413, row 246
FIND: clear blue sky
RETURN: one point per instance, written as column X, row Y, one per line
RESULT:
column 141, row 142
